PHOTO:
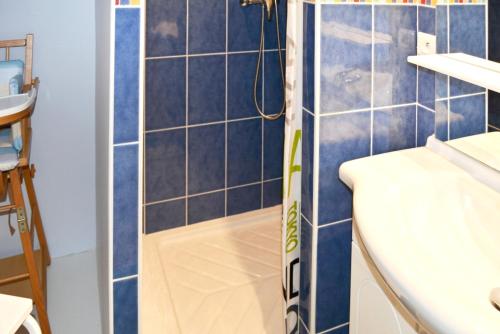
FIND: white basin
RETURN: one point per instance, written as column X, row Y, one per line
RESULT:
column 433, row 233
column 484, row 147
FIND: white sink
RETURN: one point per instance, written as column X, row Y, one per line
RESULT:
column 433, row 233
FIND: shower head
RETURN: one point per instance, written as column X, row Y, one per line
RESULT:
column 268, row 4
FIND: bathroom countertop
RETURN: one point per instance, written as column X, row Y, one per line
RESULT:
column 433, row 232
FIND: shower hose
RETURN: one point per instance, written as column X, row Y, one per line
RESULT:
column 270, row 117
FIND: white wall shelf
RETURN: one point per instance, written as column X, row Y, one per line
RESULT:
column 478, row 71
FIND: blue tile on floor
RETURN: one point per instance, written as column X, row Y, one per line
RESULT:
column 425, row 126
column 206, row 207
column 394, row 129
column 273, row 85
column 126, row 101
column 305, row 271
column 307, row 164
column 333, row 277
column 244, row 27
column 125, row 317
column 441, row 118
column 273, row 193
column 206, row 162
column 308, row 57
column 467, row 116
column 345, row 61
column 274, row 132
column 207, row 26
column 165, row 93
column 165, row 215
column 165, row 28
column 395, row 40
column 243, row 199
column 165, row 165
column 244, row 152
column 206, row 94
column 125, row 210
column 240, row 84
column 342, row 138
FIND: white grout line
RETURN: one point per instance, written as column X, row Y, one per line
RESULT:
column 426, row 108
column 202, row 124
column 262, row 125
column 459, row 96
column 334, row 328
column 126, row 144
column 188, row 55
column 335, row 223
column 417, row 84
column 210, row 192
column 303, row 324
column 307, row 221
column 125, row 278
column 448, row 78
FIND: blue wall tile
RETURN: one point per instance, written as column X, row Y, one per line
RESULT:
column 426, row 87
column 207, row 26
column 125, row 210
column 273, row 86
column 345, row 62
column 126, row 101
column 395, row 40
column 425, row 125
column 165, row 93
column 342, row 137
column 305, row 271
column 394, row 129
column 469, row 38
column 442, row 29
column 333, row 277
column 165, row 215
column 206, row 207
column 441, row 85
column 244, row 27
column 165, row 165
column 125, row 317
column 307, row 164
column 243, row 199
column 273, row 193
column 165, row 28
column 308, row 57
column 427, row 20
column 302, row 329
column 244, row 152
column 206, row 94
column 206, row 162
column 240, row 81
column 274, row 133
column 441, row 117
column 467, row 116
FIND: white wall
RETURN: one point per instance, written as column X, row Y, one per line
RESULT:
column 102, row 107
column 64, row 119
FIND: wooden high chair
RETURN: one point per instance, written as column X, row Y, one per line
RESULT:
column 23, row 275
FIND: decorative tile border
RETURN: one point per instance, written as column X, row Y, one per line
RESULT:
column 401, row 2
column 128, row 2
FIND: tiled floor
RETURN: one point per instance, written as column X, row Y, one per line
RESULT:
column 222, row 276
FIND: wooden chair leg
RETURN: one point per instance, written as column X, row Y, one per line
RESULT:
column 37, row 218
column 38, row 295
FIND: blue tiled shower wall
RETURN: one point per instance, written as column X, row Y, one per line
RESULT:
column 207, row 152
column 126, row 169
column 371, row 101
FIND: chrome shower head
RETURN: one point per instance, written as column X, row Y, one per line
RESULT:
column 268, row 5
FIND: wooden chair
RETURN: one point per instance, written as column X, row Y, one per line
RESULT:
column 23, row 275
